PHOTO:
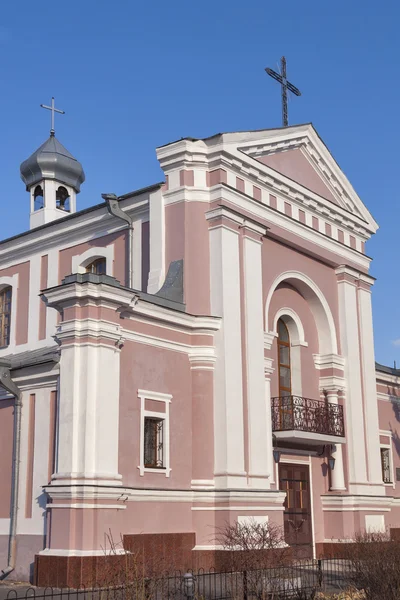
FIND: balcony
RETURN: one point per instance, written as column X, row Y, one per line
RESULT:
column 302, row 420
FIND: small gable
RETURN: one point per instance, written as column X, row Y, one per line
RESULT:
column 293, row 164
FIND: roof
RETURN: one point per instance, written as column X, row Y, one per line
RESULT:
column 215, row 135
column 52, row 161
column 388, row 370
column 30, row 358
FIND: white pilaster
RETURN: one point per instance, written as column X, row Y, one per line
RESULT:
column 157, row 242
column 88, row 411
column 350, row 345
column 268, row 370
column 369, row 385
column 228, row 404
column 259, row 434
column 337, row 474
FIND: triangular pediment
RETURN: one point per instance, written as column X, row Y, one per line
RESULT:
column 295, row 165
column 299, row 158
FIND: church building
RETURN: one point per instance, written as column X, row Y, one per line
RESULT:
column 195, row 353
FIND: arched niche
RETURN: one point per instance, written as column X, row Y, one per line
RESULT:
column 326, row 330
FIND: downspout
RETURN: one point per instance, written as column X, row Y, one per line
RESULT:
column 8, row 384
column 115, row 210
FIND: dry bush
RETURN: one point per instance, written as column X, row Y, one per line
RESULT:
column 253, row 545
column 374, row 560
column 260, row 561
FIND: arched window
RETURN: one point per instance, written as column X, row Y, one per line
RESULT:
column 285, row 379
column 62, row 199
column 5, row 316
column 38, row 201
column 98, row 266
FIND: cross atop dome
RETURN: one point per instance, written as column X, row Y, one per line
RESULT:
column 53, row 110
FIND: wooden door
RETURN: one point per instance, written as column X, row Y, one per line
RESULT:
column 295, row 481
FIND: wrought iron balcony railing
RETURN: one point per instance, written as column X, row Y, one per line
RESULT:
column 294, row 413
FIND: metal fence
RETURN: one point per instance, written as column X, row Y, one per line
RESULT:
column 297, row 581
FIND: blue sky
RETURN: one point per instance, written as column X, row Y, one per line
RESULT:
column 134, row 75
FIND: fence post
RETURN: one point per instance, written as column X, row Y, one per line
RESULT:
column 320, row 573
column 245, row 590
column 189, row 585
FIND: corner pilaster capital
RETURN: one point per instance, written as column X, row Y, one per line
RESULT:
column 269, row 337
column 268, row 367
column 345, row 274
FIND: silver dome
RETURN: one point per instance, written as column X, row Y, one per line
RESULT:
column 52, row 161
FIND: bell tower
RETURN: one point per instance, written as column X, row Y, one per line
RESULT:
column 53, row 178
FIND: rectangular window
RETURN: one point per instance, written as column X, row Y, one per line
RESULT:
column 154, row 432
column 386, row 466
column 153, row 443
column 5, row 316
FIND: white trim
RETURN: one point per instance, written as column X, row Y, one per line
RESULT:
column 295, row 340
column 312, row 507
column 102, row 552
column 245, row 508
column 81, row 261
column 83, row 505
column 144, row 395
column 320, row 309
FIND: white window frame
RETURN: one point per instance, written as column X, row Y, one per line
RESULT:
column 81, row 261
column 13, row 283
column 390, row 448
column 144, row 395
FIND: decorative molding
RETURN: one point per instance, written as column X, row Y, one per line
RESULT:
column 269, row 339
column 329, row 361
column 297, row 339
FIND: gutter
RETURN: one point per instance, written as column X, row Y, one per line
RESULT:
column 8, row 384
column 114, row 209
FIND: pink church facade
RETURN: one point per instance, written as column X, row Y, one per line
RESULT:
column 205, row 358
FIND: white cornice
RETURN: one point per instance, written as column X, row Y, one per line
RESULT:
column 265, row 214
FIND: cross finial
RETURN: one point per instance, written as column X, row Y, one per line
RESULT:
column 53, row 110
column 286, row 85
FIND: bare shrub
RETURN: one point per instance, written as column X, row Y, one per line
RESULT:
column 374, row 560
column 259, row 555
column 253, row 545
column 127, row 573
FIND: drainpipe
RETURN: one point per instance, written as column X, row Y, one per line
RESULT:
column 8, row 384
column 115, row 210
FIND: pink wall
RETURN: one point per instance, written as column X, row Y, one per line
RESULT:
column 187, row 237
column 6, row 445
column 119, row 240
column 157, row 370
column 295, row 165
column 43, row 285
column 389, row 420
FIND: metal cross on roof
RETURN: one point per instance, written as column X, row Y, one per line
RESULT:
column 53, row 110
column 286, row 85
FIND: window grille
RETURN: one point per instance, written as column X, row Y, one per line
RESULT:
column 5, row 316
column 385, row 463
column 153, row 443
